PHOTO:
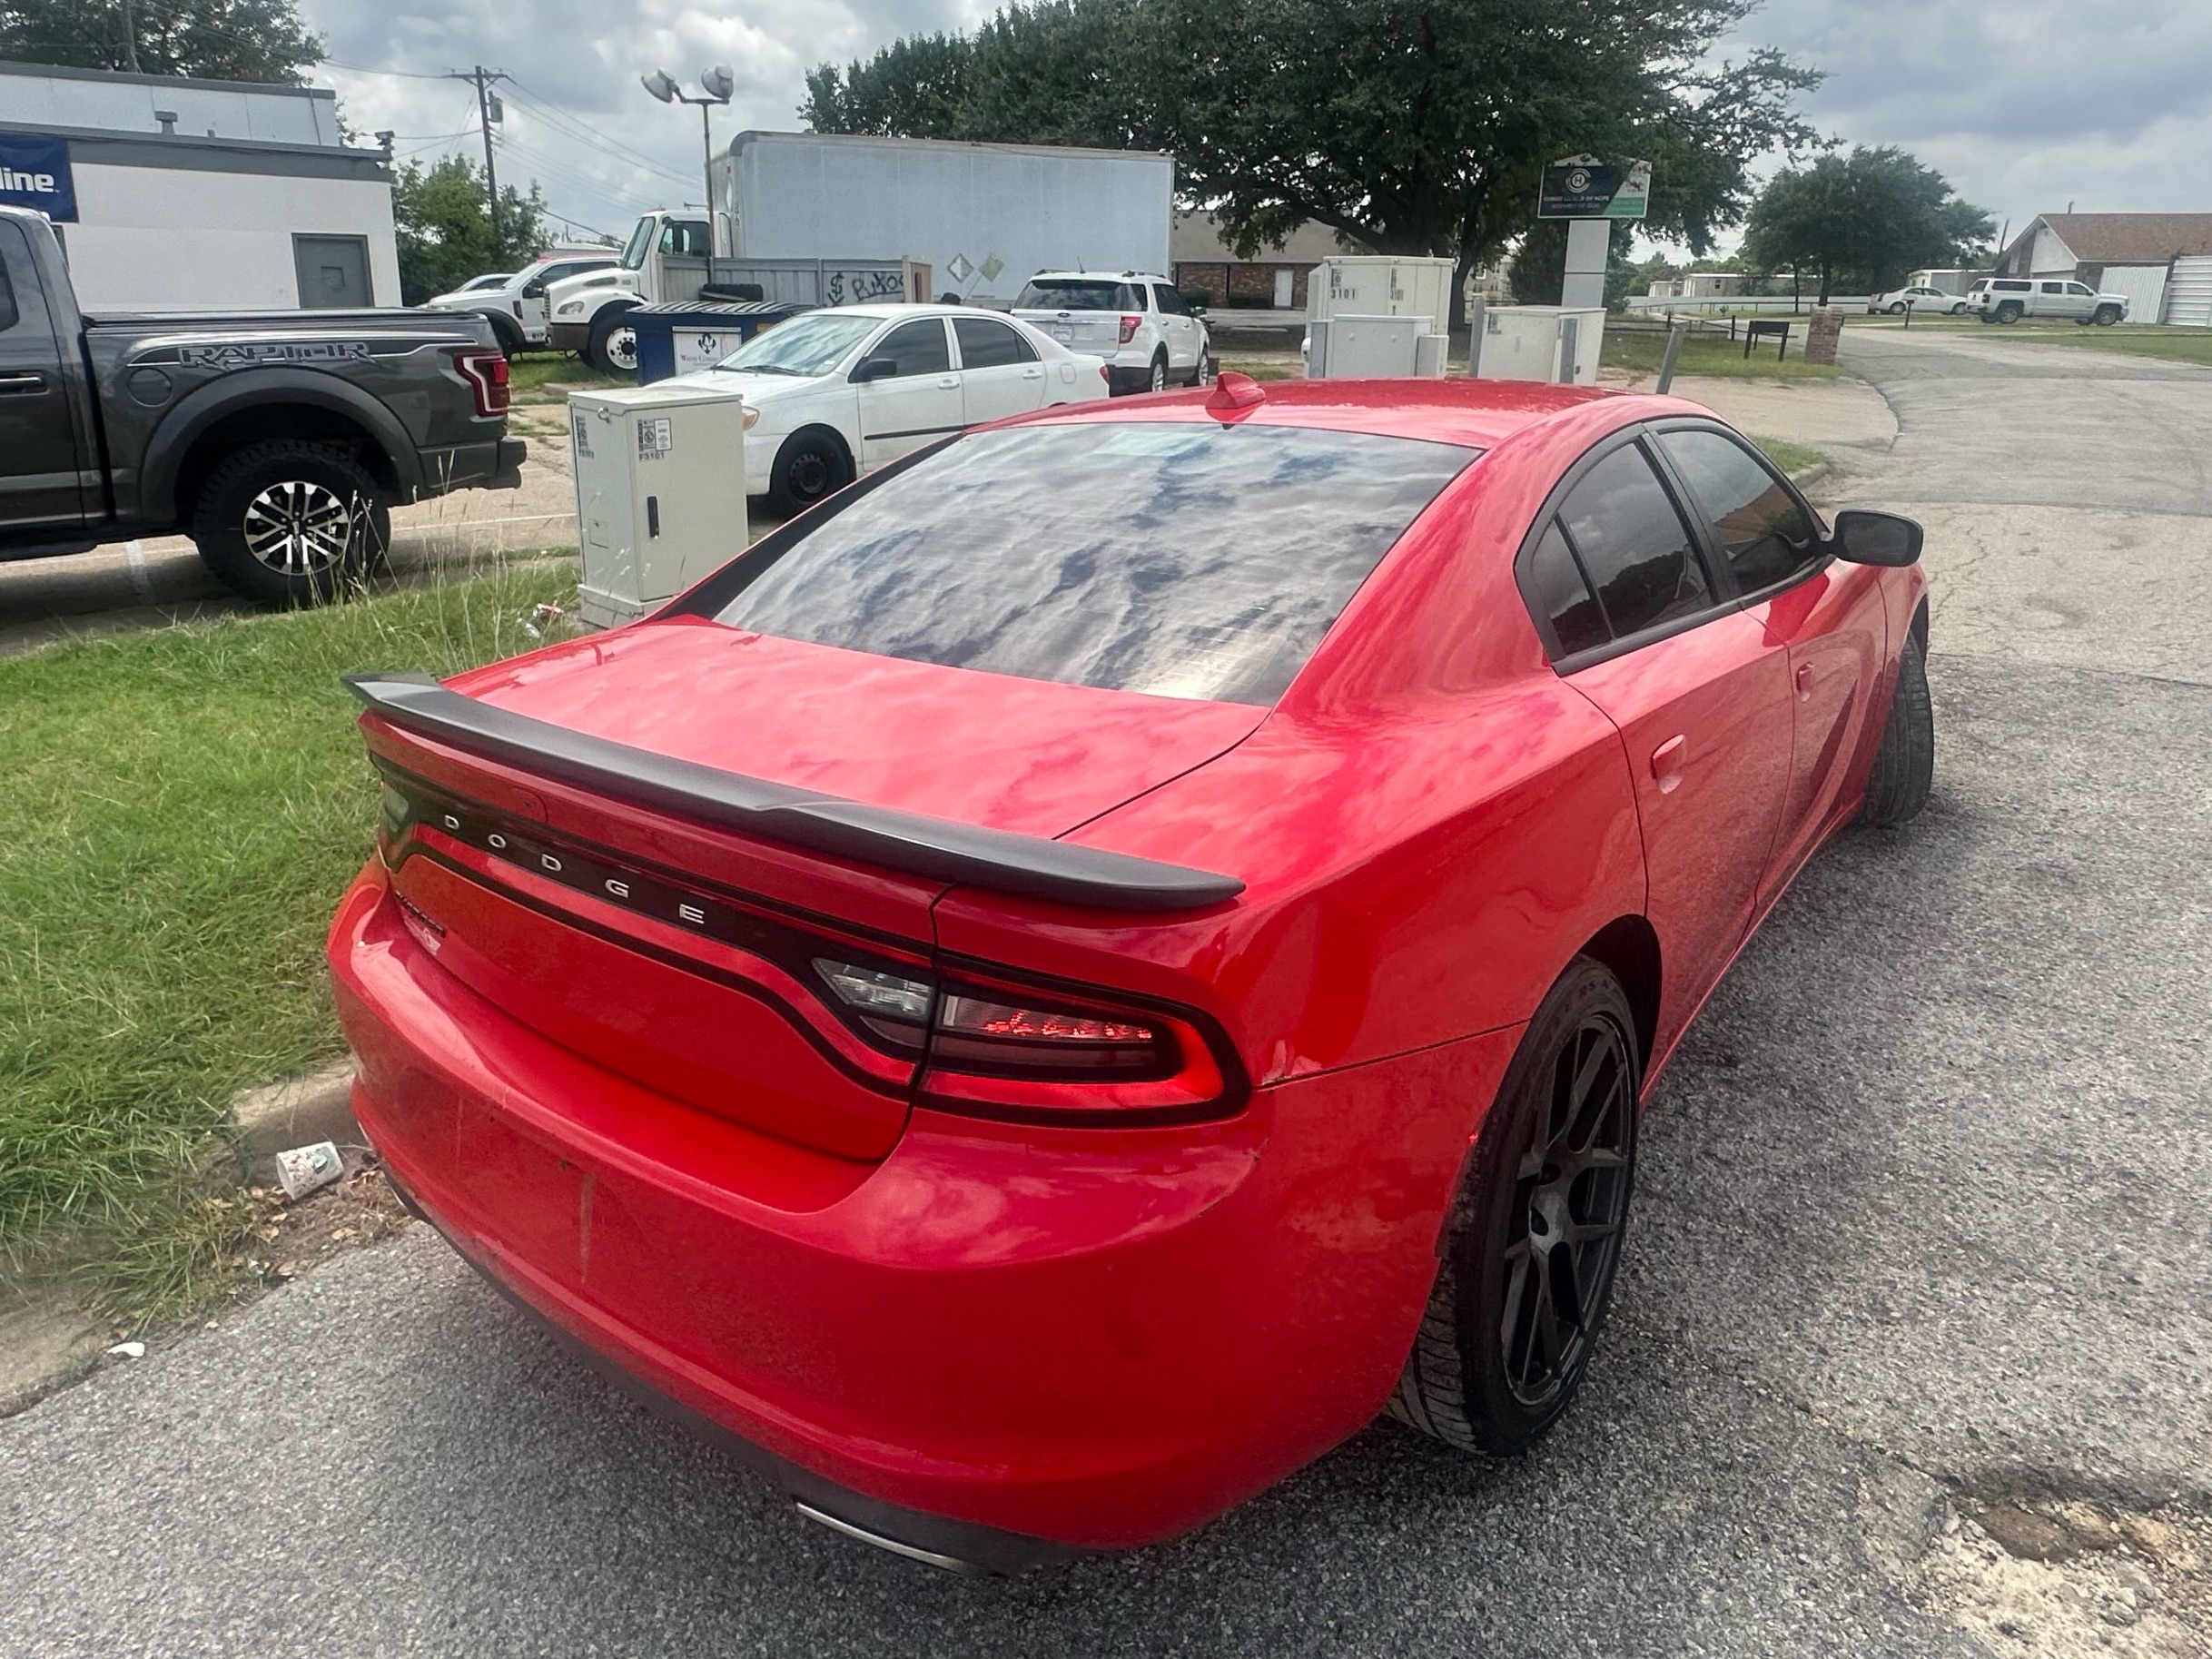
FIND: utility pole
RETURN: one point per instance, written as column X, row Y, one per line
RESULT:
column 130, row 39
column 487, row 110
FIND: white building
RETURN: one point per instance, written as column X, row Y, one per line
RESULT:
column 175, row 194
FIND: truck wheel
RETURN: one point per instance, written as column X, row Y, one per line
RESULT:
column 506, row 332
column 1528, row 1257
column 2106, row 315
column 2010, row 312
column 289, row 522
column 810, row 466
column 613, row 346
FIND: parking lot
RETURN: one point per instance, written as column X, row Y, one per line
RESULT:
column 1919, row 1259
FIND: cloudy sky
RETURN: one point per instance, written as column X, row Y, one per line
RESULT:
column 2024, row 105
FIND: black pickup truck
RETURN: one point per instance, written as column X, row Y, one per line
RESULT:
column 278, row 441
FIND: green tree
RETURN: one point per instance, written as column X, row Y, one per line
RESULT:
column 1865, row 219
column 445, row 233
column 1414, row 126
column 223, row 40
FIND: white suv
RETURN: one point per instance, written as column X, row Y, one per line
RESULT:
column 1150, row 339
column 2008, row 298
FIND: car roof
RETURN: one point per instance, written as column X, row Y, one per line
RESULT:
column 889, row 310
column 1477, row 414
column 1098, row 276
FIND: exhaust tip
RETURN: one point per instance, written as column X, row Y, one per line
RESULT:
column 912, row 1551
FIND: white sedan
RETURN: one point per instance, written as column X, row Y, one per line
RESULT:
column 835, row 393
column 1920, row 299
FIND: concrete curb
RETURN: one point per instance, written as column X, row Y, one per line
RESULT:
column 298, row 1112
column 1806, row 478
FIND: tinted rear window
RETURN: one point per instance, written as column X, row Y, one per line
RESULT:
column 1182, row 559
column 1072, row 295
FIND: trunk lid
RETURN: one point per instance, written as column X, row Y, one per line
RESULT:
column 681, row 954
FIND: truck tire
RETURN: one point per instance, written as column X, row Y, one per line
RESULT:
column 2106, row 315
column 811, row 465
column 1904, row 765
column 613, row 346
column 506, row 332
column 1534, row 1236
column 290, row 522
column 2010, row 312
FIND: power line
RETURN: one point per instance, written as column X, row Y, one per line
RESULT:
column 585, row 132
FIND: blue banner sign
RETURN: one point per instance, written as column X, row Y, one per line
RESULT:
column 34, row 172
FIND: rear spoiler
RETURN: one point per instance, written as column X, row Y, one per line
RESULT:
column 936, row 848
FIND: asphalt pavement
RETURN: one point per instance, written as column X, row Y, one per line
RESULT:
column 1922, row 1225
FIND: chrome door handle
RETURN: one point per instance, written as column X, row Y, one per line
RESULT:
column 18, row 384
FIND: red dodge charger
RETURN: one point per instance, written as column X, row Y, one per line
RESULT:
column 1065, row 981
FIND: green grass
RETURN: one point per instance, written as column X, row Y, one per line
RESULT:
column 529, row 376
column 180, row 810
column 1790, row 457
column 2180, row 345
column 1705, row 354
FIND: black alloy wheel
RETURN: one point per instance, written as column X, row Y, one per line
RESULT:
column 1534, row 1241
column 1570, row 1206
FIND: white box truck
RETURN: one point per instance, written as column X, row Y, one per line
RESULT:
column 827, row 219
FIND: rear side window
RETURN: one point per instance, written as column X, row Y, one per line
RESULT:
column 1763, row 533
column 1183, row 559
column 1169, row 300
column 1633, row 545
column 917, row 347
column 7, row 295
column 1557, row 592
column 2054, row 288
column 984, row 344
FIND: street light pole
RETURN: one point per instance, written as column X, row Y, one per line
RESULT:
column 719, row 83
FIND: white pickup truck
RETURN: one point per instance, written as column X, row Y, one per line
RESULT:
column 2008, row 298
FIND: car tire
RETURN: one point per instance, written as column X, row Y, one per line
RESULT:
column 2106, row 315
column 2010, row 312
column 291, row 523
column 1897, row 310
column 1904, row 765
column 1959, row 309
column 1556, row 1153
column 1156, row 378
column 811, row 466
column 612, row 347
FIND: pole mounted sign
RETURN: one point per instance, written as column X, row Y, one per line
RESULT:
column 1583, row 187
column 34, row 172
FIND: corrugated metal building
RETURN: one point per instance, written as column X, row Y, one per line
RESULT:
column 177, row 194
column 2161, row 262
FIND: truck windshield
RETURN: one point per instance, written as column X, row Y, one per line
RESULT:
column 805, row 345
column 640, row 243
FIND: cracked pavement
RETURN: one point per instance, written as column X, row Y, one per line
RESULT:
column 1921, row 1215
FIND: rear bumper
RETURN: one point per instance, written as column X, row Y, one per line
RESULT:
column 997, row 1343
column 494, row 464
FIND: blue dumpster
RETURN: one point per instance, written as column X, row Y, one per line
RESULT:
column 681, row 335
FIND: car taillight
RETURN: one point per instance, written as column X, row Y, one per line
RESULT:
column 1008, row 1052
column 1130, row 325
column 485, row 373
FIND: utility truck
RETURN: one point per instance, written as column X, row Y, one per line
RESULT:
column 821, row 219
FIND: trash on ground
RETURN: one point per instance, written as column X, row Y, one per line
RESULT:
column 305, row 1168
